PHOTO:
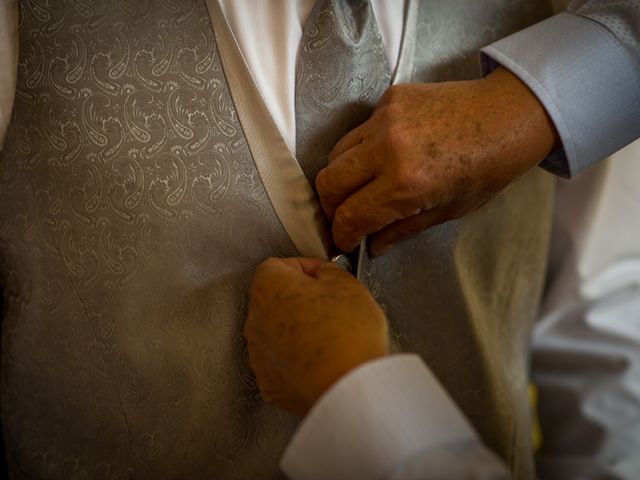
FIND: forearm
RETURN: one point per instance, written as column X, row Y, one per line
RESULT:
column 530, row 129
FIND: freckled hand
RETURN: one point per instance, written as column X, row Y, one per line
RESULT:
column 431, row 153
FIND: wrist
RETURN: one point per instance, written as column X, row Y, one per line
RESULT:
column 524, row 116
column 345, row 362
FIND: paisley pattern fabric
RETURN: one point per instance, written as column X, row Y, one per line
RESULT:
column 132, row 216
column 459, row 28
column 131, row 219
column 341, row 73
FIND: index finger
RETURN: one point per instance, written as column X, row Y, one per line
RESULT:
column 279, row 276
column 367, row 211
column 348, row 173
column 292, row 266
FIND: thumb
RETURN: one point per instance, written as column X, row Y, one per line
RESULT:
column 331, row 271
column 288, row 266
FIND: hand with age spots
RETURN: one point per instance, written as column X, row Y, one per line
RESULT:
column 431, row 153
column 309, row 323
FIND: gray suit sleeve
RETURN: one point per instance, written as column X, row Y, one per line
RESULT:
column 584, row 67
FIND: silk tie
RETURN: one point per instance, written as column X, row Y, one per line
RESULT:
column 341, row 73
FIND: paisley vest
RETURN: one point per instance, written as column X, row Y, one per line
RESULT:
column 142, row 180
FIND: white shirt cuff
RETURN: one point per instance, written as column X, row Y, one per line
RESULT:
column 374, row 418
column 586, row 81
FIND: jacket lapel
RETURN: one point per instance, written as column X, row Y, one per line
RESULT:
column 289, row 192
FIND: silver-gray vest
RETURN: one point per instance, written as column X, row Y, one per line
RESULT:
column 141, row 182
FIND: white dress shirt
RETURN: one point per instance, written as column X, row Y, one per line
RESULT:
column 391, row 418
column 269, row 34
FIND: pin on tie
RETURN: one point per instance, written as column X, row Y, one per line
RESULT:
column 343, row 261
column 347, row 261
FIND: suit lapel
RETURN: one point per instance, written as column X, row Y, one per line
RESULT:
column 289, row 192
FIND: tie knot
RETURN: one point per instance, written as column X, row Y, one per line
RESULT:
column 348, row 19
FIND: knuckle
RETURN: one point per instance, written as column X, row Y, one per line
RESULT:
column 392, row 93
column 344, row 233
column 406, row 180
column 323, row 182
column 395, row 108
column 398, row 139
column 270, row 262
column 345, row 218
column 261, row 269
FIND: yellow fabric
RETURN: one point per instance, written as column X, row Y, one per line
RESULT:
column 536, row 432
